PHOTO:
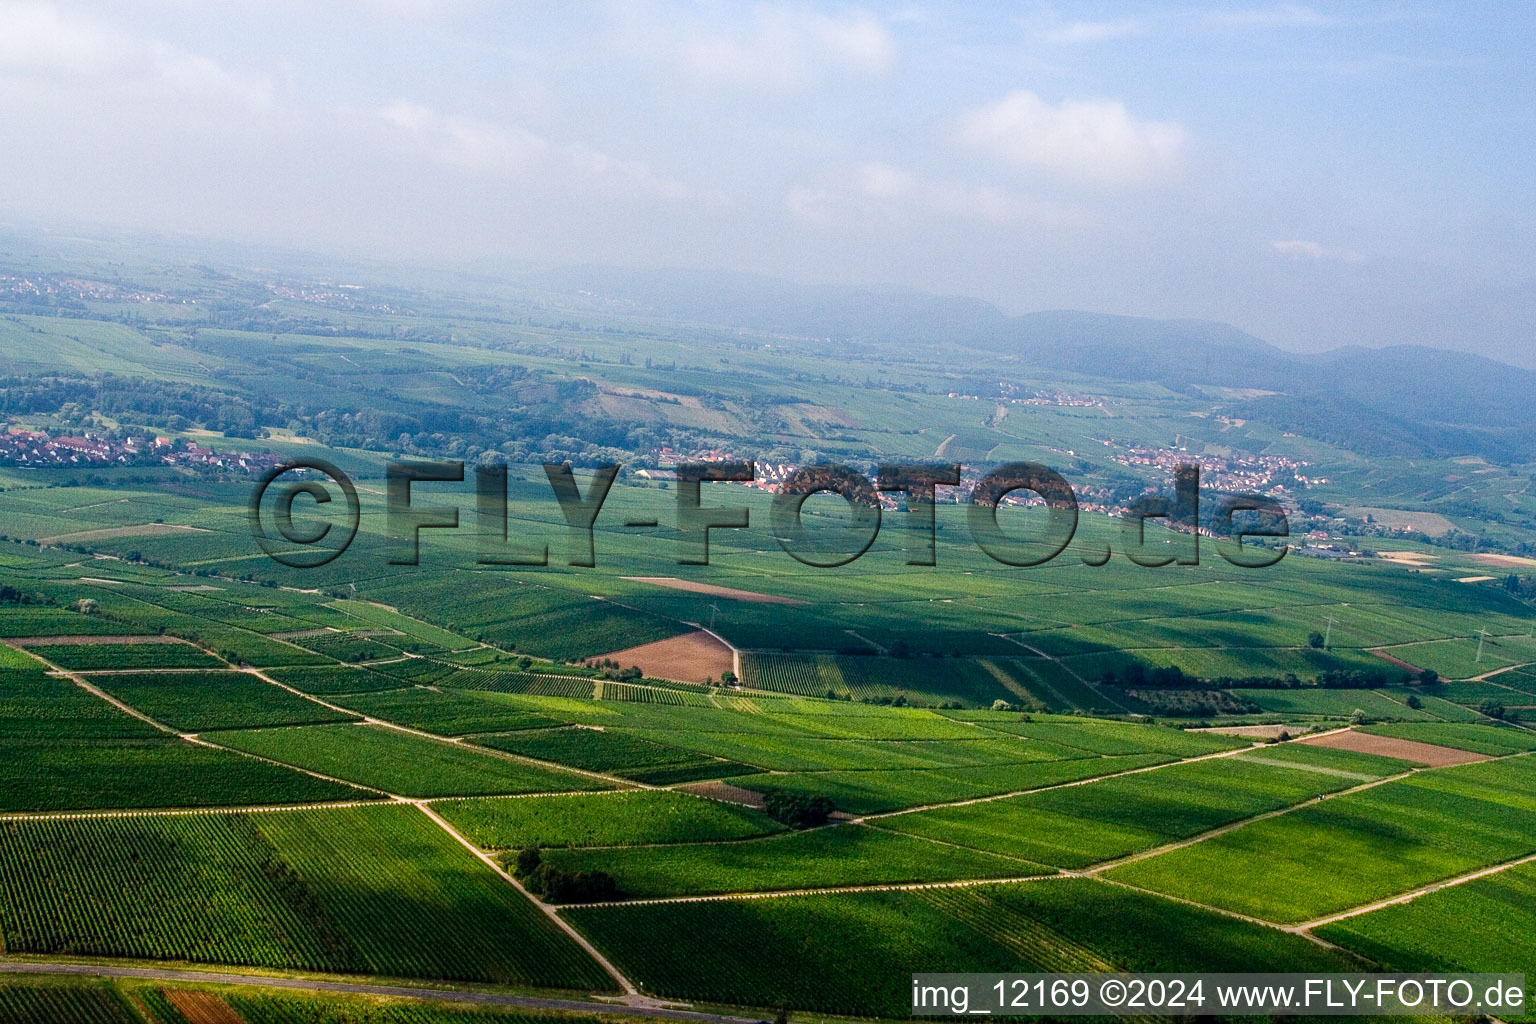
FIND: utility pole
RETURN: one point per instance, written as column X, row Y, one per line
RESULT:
column 714, row 610
column 1328, row 633
column 1482, row 635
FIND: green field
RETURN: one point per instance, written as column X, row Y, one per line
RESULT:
column 836, row 856
column 445, row 713
column 373, row 890
column 47, row 1001
column 1357, row 848
column 1332, row 703
column 397, row 762
column 1078, row 825
column 1485, row 925
column 853, row 953
column 120, row 656
column 616, row 753
column 873, row 790
column 193, row 701
column 602, row 819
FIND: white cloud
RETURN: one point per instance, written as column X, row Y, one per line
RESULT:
column 464, row 141
column 1304, row 250
column 494, row 150
column 878, row 193
column 36, row 38
column 1095, row 142
column 45, row 47
column 784, row 48
column 1092, row 31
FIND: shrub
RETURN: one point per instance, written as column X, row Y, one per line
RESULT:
column 797, row 810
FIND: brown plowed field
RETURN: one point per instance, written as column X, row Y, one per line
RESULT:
column 690, row 658
column 1431, row 754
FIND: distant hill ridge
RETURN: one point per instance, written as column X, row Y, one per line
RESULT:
column 1399, row 400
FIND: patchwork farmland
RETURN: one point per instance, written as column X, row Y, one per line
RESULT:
column 324, row 809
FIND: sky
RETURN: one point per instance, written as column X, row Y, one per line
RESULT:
column 1358, row 174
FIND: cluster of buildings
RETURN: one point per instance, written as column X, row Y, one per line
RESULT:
column 1010, row 394
column 42, row 286
column 35, row 448
column 1262, row 474
column 337, row 296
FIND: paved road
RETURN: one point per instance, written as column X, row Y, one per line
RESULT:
column 359, row 988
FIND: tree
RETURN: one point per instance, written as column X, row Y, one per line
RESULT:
column 797, row 810
column 1414, row 702
column 87, row 606
column 728, row 678
column 1358, row 717
column 528, row 861
column 1492, row 708
column 1001, row 705
column 1429, row 677
column 1315, row 639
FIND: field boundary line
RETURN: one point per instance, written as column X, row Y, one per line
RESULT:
column 459, row 741
column 773, row 894
column 1238, row 915
column 1233, row 826
column 363, row 988
column 1409, row 897
column 1050, row 869
column 185, row 812
column 194, row 739
column 628, row 987
column 1075, row 782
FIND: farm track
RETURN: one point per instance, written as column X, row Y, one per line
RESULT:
column 631, row 991
column 1067, row 785
column 451, row 740
column 641, row 1008
column 1221, row 830
column 1409, row 897
column 772, row 894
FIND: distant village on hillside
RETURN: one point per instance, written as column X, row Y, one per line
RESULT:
column 22, row 447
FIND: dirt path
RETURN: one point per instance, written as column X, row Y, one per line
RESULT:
column 630, row 990
column 453, row 740
column 1062, row 785
column 1409, row 897
column 664, row 1012
column 1221, row 830
column 774, row 894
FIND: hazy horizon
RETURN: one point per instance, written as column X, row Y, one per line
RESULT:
column 1316, row 176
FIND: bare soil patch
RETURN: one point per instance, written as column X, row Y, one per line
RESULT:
column 1431, row 754
column 202, row 1007
column 1399, row 662
column 92, row 641
column 1475, row 579
column 690, row 658
column 1509, row 561
column 1432, row 523
column 731, row 593
column 1258, row 732
column 146, row 530
column 1413, row 558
